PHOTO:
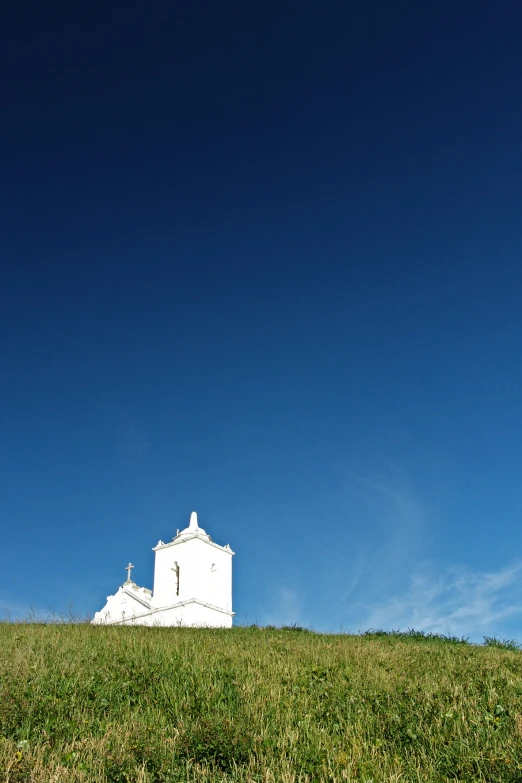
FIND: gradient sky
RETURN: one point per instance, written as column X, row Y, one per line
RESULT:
column 264, row 261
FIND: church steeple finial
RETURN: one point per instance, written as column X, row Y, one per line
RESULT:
column 193, row 529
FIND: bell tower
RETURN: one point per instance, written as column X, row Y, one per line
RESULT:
column 194, row 574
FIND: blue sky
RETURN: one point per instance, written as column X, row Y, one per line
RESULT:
column 265, row 263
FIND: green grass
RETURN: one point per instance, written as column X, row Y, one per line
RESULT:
column 85, row 703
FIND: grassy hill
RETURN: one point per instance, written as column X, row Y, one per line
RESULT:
column 82, row 703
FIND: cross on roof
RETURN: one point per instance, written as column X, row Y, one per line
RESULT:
column 129, row 569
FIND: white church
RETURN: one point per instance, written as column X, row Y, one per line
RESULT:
column 192, row 586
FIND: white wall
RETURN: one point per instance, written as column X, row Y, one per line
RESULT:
column 129, row 602
column 205, row 572
column 191, row 613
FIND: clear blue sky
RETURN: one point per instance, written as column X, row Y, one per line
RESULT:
column 264, row 261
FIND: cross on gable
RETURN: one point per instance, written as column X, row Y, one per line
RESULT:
column 129, row 569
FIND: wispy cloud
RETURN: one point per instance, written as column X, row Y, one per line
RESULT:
column 396, row 528
column 286, row 609
column 458, row 601
column 72, row 602
column 388, row 495
column 14, row 611
column 396, row 584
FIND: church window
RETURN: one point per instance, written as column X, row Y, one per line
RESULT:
column 176, row 576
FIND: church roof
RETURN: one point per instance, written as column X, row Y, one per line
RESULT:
column 192, row 531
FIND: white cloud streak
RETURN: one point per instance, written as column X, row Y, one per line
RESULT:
column 286, row 609
column 395, row 585
column 457, row 601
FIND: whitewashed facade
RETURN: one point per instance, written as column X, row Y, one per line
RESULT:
column 192, row 586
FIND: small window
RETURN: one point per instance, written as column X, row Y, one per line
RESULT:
column 176, row 576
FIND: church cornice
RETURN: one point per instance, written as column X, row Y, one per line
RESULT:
column 132, row 592
column 177, row 541
column 151, row 610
